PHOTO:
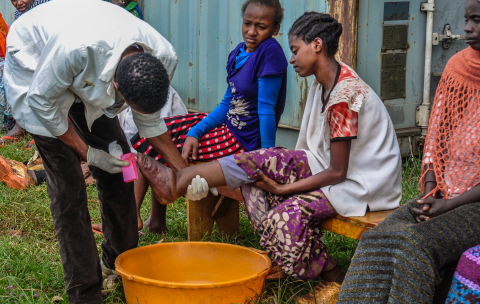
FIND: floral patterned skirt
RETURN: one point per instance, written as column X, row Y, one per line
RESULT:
column 289, row 226
column 466, row 282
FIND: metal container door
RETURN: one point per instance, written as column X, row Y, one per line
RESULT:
column 391, row 56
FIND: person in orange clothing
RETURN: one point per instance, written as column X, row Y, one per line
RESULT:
column 3, row 51
column 3, row 36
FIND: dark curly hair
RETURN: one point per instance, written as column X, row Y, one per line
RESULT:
column 312, row 25
column 143, row 80
column 278, row 9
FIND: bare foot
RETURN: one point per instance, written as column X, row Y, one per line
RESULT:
column 155, row 227
column 160, row 178
column 97, row 227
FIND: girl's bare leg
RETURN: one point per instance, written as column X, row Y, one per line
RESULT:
column 141, row 187
column 157, row 222
column 168, row 186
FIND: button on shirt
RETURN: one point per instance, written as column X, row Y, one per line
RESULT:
column 67, row 50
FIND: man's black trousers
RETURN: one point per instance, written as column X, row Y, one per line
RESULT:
column 69, row 206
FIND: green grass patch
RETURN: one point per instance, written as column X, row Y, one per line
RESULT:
column 30, row 266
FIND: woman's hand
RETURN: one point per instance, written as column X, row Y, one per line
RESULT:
column 269, row 185
column 432, row 207
column 190, row 146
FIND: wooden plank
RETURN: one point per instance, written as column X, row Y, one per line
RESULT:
column 355, row 227
column 199, row 217
column 372, row 219
column 346, row 12
column 343, row 226
column 230, row 223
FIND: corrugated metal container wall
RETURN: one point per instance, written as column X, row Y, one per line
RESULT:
column 204, row 32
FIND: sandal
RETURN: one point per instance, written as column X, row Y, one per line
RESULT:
column 323, row 293
column 97, row 231
column 9, row 138
column 111, row 281
column 29, row 145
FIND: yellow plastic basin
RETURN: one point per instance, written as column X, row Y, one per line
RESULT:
column 192, row 272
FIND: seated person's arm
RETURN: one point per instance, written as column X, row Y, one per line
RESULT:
column 342, row 132
column 335, row 174
column 430, row 180
column 432, row 207
column 268, row 91
column 216, row 118
column 154, row 129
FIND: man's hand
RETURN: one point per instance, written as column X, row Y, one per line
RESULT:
column 432, row 207
column 190, row 146
column 268, row 184
column 164, row 145
column 105, row 161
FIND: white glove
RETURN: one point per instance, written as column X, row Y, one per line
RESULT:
column 115, row 150
column 105, row 161
column 198, row 189
column 214, row 191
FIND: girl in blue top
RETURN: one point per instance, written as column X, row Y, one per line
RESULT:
column 249, row 114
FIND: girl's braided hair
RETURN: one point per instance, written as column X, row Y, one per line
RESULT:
column 312, row 25
column 275, row 4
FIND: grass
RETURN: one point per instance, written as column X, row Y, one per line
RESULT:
column 30, row 266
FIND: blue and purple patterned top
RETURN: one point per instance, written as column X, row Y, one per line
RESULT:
column 242, row 118
column 255, row 96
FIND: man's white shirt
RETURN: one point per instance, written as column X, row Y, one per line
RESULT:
column 65, row 50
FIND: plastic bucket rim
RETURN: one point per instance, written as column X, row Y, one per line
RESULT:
column 136, row 278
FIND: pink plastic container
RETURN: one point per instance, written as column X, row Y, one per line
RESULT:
column 130, row 173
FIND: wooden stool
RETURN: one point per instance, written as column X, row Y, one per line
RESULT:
column 223, row 209
column 354, row 227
